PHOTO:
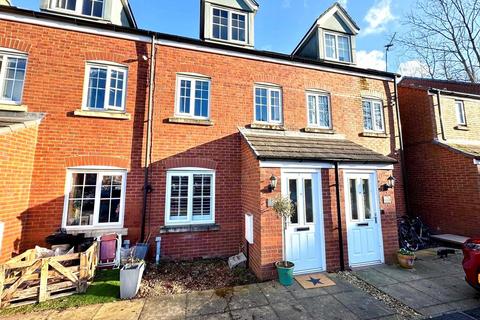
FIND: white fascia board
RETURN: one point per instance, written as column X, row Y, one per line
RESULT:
column 251, row 56
column 323, row 165
column 73, row 27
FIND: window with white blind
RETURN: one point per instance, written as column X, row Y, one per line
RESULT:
column 190, row 197
column 319, row 113
column 373, row 115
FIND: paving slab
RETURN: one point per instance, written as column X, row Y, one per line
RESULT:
column 410, row 296
column 436, row 289
column 326, row 307
column 275, row 292
column 257, row 313
column 165, row 308
column 83, row 313
column 287, row 311
column 220, row 316
column 437, row 310
column 375, row 277
column 475, row 313
column 122, row 310
column 249, row 296
column 205, row 302
column 363, row 305
column 30, row 316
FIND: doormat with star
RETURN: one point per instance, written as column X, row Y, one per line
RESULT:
column 316, row 280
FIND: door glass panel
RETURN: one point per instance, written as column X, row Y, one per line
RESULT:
column 292, row 187
column 353, row 198
column 308, row 201
column 366, row 199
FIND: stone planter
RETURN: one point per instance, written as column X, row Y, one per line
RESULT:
column 130, row 279
column 406, row 261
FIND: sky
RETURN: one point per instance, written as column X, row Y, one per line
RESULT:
column 280, row 24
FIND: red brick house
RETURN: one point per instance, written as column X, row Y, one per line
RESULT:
column 441, row 129
column 224, row 121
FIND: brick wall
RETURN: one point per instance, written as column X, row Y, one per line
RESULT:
column 444, row 189
column 17, row 151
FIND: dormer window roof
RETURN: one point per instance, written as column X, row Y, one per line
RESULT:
column 331, row 37
column 114, row 11
column 228, row 21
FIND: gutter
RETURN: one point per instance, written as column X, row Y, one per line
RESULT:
column 148, row 143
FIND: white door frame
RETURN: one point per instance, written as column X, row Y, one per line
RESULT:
column 320, row 225
column 376, row 205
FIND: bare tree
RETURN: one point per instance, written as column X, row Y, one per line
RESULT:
column 444, row 35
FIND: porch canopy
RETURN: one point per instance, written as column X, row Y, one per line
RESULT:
column 289, row 145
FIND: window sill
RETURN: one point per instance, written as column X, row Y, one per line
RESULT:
column 461, row 128
column 103, row 114
column 97, row 232
column 189, row 228
column 267, row 126
column 13, row 107
column 374, row 134
column 198, row 122
column 319, row 130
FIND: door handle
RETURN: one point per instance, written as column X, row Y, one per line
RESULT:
column 302, row 229
column 365, row 224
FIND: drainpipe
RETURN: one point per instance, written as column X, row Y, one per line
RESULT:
column 402, row 150
column 440, row 116
column 148, row 142
column 339, row 217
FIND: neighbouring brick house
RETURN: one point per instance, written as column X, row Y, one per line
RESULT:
column 226, row 122
column 441, row 130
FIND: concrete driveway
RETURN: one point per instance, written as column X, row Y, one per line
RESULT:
column 434, row 287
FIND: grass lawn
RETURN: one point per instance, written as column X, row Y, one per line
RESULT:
column 105, row 288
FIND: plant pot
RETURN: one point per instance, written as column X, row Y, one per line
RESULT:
column 141, row 250
column 130, row 279
column 285, row 272
column 405, row 261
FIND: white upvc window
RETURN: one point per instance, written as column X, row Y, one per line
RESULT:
column 373, row 115
column 319, row 110
column 229, row 25
column 94, row 198
column 460, row 112
column 338, row 47
column 190, row 197
column 193, row 97
column 90, row 8
column 268, row 104
column 105, row 87
column 13, row 68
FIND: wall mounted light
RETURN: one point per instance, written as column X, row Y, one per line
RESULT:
column 273, row 183
column 390, row 183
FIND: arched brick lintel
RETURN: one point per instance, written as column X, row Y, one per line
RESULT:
column 107, row 161
column 15, row 44
column 190, row 163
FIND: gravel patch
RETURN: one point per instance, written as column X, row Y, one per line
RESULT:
column 399, row 307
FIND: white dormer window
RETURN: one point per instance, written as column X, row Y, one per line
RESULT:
column 91, row 8
column 229, row 25
column 337, row 47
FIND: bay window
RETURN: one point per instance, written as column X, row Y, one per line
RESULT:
column 373, row 115
column 105, row 87
column 268, row 104
column 12, row 76
column 190, row 197
column 94, row 198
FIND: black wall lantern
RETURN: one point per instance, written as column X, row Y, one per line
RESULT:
column 390, row 183
column 273, row 183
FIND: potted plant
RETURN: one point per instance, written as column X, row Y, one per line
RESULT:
column 284, row 208
column 406, row 258
column 131, row 276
